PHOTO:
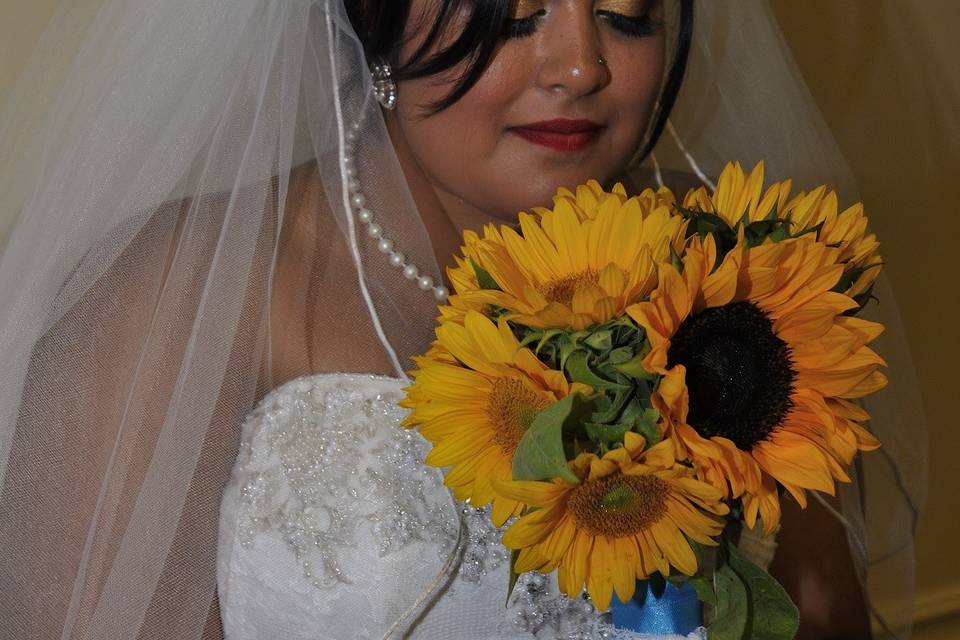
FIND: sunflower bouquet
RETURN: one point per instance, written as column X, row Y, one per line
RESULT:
column 630, row 381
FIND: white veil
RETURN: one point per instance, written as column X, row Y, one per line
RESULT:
column 744, row 99
column 163, row 165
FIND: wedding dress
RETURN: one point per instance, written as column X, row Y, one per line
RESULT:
column 148, row 165
column 332, row 527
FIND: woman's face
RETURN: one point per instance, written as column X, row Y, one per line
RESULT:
column 567, row 97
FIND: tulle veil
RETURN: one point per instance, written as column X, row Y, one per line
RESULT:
column 150, row 156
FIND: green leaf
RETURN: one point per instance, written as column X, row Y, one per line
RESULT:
column 608, row 411
column 548, row 335
column 568, row 347
column 530, row 338
column 620, row 355
column 782, row 233
column 704, row 590
column 634, row 368
column 731, row 611
column 646, row 425
column 578, row 367
column 711, row 222
column 632, row 411
column 607, row 433
column 675, row 260
column 862, row 299
column 704, row 554
column 644, row 390
column 851, row 274
column 540, row 454
column 815, row 230
column 600, row 340
column 484, row 279
column 514, row 576
column 771, row 613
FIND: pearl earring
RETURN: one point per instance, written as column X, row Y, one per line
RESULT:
column 384, row 87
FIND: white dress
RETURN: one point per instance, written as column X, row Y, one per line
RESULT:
column 332, row 528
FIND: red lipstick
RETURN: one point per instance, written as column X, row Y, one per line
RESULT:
column 560, row 134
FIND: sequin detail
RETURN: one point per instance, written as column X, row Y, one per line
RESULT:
column 313, row 503
column 323, row 462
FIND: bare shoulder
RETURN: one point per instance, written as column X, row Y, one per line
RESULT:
column 319, row 321
column 301, row 267
column 297, row 265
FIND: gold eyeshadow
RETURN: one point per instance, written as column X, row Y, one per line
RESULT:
column 629, row 8
column 520, row 9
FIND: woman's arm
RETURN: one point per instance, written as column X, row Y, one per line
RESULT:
column 814, row 565
column 109, row 511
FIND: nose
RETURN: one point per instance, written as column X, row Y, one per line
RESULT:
column 571, row 55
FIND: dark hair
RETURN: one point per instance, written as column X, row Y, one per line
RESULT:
column 380, row 25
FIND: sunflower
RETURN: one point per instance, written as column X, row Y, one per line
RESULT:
column 629, row 516
column 818, row 212
column 575, row 265
column 464, row 276
column 739, row 199
column 587, row 198
column 760, row 366
column 474, row 395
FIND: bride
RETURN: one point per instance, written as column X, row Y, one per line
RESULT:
column 228, row 223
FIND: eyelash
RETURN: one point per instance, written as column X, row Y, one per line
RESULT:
column 634, row 27
column 515, row 28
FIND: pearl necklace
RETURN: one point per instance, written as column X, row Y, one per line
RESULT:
column 384, row 244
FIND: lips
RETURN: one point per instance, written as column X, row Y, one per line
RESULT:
column 561, row 134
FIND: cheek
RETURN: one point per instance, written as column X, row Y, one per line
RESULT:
column 450, row 146
column 636, row 75
column 443, row 142
column 466, row 152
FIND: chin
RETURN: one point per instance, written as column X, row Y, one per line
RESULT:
column 539, row 197
column 543, row 191
column 538, row 191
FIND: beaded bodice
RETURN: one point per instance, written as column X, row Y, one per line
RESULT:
column 332, row 527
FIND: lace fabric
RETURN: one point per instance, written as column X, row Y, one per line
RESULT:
column 331, row 509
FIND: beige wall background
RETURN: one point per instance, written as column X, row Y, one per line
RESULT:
column 886, row 74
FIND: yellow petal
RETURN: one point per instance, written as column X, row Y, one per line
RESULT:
column 530, row 492
column 624, row 576
column 600, row 577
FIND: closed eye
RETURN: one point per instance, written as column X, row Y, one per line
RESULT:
column 633, row 26
column 523, row 27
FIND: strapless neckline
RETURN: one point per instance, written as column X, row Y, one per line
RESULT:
column 331, row 527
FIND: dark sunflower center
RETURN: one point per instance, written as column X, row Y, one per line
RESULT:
column 562, row 289
column 512, row 408
column 739, row 372
column 619, row 505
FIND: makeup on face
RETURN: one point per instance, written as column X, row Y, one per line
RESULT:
column 546, row 112
column 632, row 18
column 631, row 8
column 561, row 134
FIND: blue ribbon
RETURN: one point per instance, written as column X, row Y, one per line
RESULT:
column 676, row 611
